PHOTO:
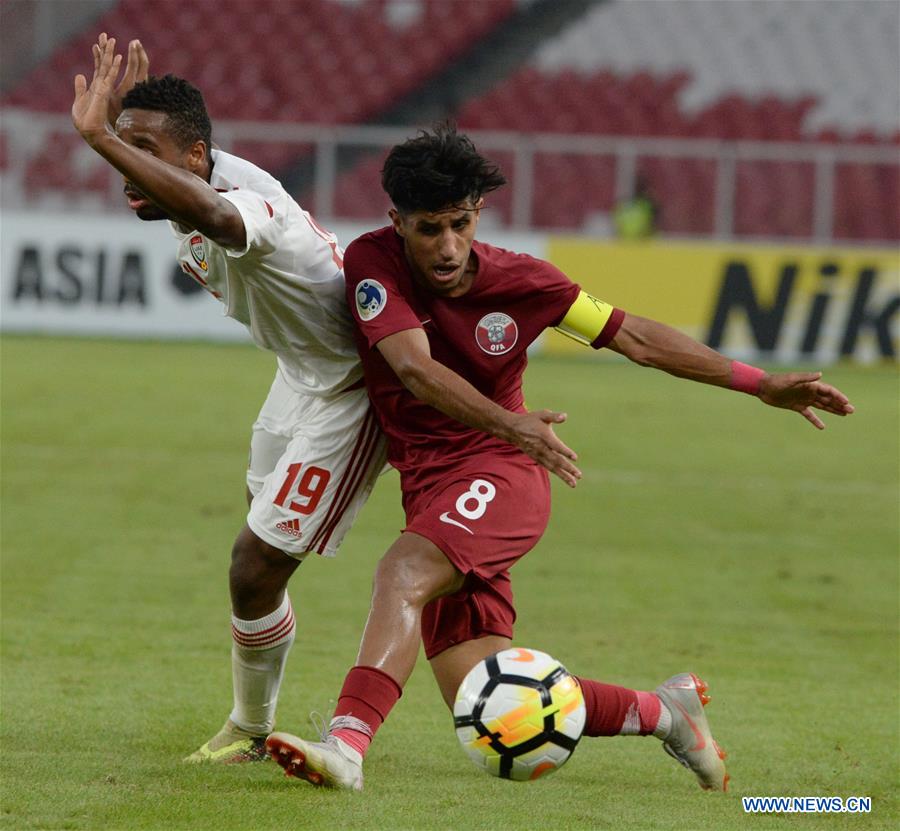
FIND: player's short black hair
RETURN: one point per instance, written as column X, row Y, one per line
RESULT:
column 437, row 169
column 180, row 100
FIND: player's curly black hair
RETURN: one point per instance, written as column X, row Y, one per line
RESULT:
column 436, row 170
column 180, row 100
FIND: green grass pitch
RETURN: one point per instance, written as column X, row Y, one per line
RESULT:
column 709, row 533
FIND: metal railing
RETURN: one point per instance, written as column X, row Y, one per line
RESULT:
column 26, row 134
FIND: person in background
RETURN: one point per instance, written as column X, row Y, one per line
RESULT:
column 636, row 218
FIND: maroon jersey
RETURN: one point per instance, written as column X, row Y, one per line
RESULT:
column 482, row 336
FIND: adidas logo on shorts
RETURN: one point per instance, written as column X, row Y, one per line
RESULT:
column 292, row 527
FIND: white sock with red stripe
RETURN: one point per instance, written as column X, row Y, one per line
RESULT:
column 258, row 654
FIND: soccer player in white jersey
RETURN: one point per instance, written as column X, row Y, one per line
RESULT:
column 315, row 447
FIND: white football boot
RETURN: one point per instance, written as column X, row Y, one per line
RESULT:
column 690, row 740
column 329, row 764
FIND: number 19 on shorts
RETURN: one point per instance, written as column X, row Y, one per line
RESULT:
column 471, row 504
column 310, row 488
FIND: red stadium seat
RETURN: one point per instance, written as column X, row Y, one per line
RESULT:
column 359, row 194
column 867, row 202
column 570, row 188
column 774, row 199
column 50, row 168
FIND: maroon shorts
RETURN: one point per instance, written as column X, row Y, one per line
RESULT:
column 484, row 515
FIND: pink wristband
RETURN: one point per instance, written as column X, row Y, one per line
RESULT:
column 746, row 378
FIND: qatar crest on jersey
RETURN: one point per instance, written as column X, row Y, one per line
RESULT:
column 371, row 298
column 496, row 333
column 198, row 253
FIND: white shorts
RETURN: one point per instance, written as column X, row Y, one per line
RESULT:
column 313, row 462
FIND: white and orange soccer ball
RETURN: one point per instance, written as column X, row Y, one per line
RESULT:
column 519, row 714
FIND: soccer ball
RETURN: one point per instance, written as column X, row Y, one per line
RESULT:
column 519, row 714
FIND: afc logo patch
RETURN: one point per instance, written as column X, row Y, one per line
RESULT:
column 371, row 298
column 496, row 333
column 198, row 253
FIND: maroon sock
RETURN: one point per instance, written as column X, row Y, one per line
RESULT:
column 368, row 695
column 615, row 711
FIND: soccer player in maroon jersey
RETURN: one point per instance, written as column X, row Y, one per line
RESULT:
column 443, row 324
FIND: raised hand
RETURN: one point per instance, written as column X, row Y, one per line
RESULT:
column 803, row 392
column 137, row 70
column 533, row 435
column 90, row 110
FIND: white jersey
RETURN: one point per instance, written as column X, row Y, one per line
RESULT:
column 286, row 285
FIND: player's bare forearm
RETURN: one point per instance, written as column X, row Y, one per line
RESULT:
column 448, row 392
column 183, row 196
column 650, row 343
column 428, row 380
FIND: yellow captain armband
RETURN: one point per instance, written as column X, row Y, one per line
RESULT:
column 591, row 321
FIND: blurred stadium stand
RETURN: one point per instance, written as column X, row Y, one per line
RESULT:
column 745, row 118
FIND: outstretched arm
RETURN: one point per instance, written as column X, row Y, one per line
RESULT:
column 183, row 196
column 649, row 343
column 409, row 355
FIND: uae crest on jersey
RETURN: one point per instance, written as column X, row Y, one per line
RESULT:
column 198, row 253
column 496, row 333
